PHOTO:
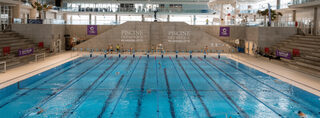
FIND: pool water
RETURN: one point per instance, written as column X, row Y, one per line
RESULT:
column 156, row 87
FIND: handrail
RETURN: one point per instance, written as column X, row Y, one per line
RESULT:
column 4, row 66
column 41, row 54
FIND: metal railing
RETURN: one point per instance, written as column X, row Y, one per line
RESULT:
column 296, row 2
column 4, row 63
column 43, row 55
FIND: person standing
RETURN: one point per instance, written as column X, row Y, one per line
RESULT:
column 118, row 48
column 111, row 50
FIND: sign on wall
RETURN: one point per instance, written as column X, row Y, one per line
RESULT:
column 35, row 21
column 132, row 36
column 282, row 54
column 179, row 36
column 92, row 30
column 23, row 52
column 225, row 31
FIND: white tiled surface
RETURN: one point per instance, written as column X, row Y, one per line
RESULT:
column 278, row 70
column 271, row 68
column 20, row 73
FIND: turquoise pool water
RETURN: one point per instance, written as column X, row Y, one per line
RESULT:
column 155, row 87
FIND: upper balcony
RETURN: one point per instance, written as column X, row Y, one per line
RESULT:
column 141, row 1
column 304, row 3
column 10, row 1
column 139, row 11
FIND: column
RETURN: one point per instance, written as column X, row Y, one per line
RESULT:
column 294, row 15
column 168, row 18
column 65, row 18
column 278, row 4
column 95, row 19
column 194, row 19
column 90, row 19
column 33, row 12
column 116, row 17
column 16, row 11
column 315, row 21
column 221, row 15
column 142, row 18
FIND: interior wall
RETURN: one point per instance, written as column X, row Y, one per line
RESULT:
column 148, row 35
column 46, row 33
column 263, row 36
column 80, row 31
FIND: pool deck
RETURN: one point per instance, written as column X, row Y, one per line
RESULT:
column 17, row 74
column 273, row 68
column 277, row 69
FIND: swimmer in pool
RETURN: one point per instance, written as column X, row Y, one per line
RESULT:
column 148, row 91
column 301, row 114
column 41, row 110
column 117, row 73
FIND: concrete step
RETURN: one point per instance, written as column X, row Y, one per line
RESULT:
column 306, row 60
column 311, row 57
column 11, row 38
column 14, row 50
column 306, row 42
column 10, row 64
column 302, row 49
column 9, row 35
column 15, row 44
column 307, row 39
column 304, row 45
column 306, row 36
column 311, row 66
column 304, row 69
column 15, row 41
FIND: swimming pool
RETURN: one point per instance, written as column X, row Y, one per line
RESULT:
column 155, row 87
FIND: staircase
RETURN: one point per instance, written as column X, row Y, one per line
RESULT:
column 309, row 46
column 16, row 41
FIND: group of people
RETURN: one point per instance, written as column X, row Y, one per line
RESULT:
column 270, row 55
column 110, row 49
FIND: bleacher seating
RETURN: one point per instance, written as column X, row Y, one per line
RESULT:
column 309, row 49
column 10, row 43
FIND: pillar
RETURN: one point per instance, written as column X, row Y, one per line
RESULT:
column 294, row 15
column 116, row 17
column 194, row 19
column 278, row 4
column 16, row 11
column 221, row 15
column 65, row 18
column 168, row 18
column 90, row 19
column 315, row 21
column 142, row 17
column 95, row 19
column 33, row 12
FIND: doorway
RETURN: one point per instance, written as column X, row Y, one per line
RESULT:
column 250, row 47
column 5, row 17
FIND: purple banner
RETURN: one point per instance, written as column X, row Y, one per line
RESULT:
column 282, row 54
column 225, row 31
column 92, row 30
column 23, row 52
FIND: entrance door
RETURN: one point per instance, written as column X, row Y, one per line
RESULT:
column 246, row 49
column 5, row 16
column 249, row 46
